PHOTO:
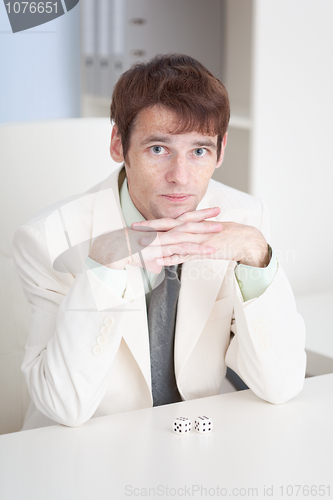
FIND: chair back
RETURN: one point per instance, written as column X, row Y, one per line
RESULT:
column 41, row 163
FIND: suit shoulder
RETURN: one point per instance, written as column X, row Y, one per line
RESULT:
column 231, row 196
column 81, row 200
column 234, row 204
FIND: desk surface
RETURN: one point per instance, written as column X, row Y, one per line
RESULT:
column 254, row 444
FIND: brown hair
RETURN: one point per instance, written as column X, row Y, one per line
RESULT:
column 179, row 83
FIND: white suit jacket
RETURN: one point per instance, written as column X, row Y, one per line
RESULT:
column 73, row 375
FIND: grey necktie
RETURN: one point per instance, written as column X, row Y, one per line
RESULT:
column 161, row 324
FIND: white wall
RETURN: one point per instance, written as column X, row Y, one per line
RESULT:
column 292, row 162
column 40, row 69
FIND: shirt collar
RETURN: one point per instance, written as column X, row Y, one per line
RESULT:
column 130, row 212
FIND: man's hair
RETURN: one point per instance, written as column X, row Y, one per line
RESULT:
column 179, row 83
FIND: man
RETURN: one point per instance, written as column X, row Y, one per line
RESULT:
column 156, row 317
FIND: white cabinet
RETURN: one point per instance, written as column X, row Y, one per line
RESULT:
column 119, row 33
column 237, row 74
column 192, row 27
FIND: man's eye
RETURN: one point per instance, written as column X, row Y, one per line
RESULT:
column 200, row 152
column 157, row 149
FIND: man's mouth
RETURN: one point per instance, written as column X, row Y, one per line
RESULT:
column 177, row 198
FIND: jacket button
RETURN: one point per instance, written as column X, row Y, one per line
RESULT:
column 258, row 322
column 105, row 331
column 101, row 340
column 108, row 321
column 263, row 337
column 98, row 349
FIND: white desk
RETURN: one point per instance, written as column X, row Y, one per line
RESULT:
column 254, row 445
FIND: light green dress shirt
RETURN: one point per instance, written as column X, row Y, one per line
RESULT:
column 253, row 281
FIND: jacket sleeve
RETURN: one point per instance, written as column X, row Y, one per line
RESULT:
column 74, row 336
column 268, row 347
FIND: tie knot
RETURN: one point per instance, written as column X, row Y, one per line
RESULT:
column 171, row 268
column 171, row 272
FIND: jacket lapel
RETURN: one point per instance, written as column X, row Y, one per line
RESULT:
column 107, row 213
column 136, row 332
column 200, row 283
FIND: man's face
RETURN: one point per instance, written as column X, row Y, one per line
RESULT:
column 167, row 173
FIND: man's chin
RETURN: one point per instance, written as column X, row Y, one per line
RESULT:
column 173, row 212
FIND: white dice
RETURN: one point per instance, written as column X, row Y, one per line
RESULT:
column 182, row 425
column 203, row 424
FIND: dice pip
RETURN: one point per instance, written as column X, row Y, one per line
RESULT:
column 182, row 425
column 203, row 424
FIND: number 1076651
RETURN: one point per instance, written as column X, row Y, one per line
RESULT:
column 32, row 7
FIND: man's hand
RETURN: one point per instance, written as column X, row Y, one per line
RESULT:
column 141, row 247
column 118, row 249
column 184, row 238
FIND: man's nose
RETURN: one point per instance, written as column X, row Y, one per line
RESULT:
column 178, row 171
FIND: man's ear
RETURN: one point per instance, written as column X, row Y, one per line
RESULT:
column 116, row 147
column 223, row 146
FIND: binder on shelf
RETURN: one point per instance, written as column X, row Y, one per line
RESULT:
column 104, row 45
column 117, row 29
column 88, row 43
column 103, row 72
